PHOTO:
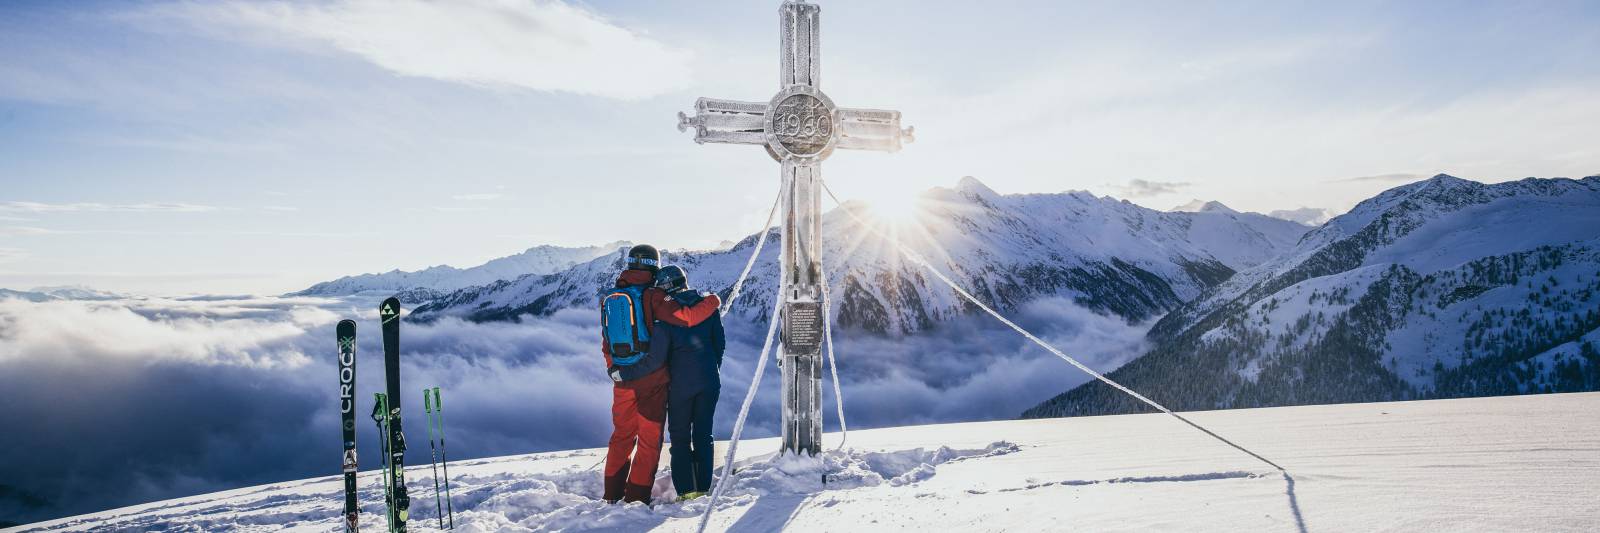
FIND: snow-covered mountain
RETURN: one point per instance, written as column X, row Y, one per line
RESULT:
column 1361, row 467
column 1108, row 255
column 1310, row 216
column 65, row 292
column 26, row 295
column 1441, row 288
column 422, row 285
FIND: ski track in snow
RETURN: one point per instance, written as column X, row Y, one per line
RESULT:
column 1489, row 464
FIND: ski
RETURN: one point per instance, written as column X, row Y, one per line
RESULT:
column 346, row 335
column 400, row 502
column 380, row 416
column 444, row 460
column 433, row 457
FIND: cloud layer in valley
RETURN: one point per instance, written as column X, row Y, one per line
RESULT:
column 123, row 401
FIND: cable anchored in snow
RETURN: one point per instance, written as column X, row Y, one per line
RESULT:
column 917, row 258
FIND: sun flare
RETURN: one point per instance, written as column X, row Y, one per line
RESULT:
column 896, row 209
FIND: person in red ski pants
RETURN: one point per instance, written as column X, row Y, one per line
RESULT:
column 639, row 391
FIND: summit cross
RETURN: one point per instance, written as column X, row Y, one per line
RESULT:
column 799, row 127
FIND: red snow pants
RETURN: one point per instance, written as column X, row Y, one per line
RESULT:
column 638, row 413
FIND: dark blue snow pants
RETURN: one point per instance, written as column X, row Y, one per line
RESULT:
column 689, row 429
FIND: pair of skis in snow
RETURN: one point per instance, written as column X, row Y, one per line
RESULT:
column 392, row 442
column 386, row 414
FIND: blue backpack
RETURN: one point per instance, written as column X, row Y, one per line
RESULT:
column 622, row 324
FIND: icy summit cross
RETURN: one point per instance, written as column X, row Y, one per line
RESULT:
column 799, row 127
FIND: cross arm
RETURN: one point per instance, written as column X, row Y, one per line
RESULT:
column 800, row 46
column 726, row 121
column 872, row 129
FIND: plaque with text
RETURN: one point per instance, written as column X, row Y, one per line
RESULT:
column 802, row 328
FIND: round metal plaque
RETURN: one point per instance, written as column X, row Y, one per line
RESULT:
column 801, row 124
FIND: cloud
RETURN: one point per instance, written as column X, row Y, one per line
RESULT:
column 37, row 207
column 31, row 230
column 210, row 393
column 1139, row 188
column 24, row 230
column 156, row 398
column 283, row 208
column 1381, row 178
column 477, row 197
column 528, row 44
column 8, row 255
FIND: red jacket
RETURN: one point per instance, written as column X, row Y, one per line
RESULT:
column 659, row 306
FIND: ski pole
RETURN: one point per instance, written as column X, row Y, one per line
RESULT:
column 433, row 458
column 380, row 411
column 438, row 405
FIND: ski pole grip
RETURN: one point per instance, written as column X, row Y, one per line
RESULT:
column 438, row 402
column 425, row 405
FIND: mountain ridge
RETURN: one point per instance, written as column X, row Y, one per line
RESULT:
column 1338, row 318
column 1109, row 255
column 422, row 285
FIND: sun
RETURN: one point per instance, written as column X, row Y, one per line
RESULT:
column 894, row 207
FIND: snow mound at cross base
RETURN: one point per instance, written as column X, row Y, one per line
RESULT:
column 569, row 499
column 1526, row 463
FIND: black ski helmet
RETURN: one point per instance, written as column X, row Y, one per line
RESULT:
column 644, row 257
column 672, row 279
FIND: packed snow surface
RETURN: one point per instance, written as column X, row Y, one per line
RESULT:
column 1527, row 463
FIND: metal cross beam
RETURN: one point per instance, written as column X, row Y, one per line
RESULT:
column 799, row 127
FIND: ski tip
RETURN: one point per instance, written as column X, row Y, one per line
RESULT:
column 389, row 309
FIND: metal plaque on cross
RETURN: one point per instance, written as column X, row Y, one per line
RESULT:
column 799, row 127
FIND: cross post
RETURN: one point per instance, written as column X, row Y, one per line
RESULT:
column 799, row 127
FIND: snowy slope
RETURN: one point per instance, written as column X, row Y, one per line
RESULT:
column 1492, row 464
column 1441, row 288
column 1110, row 256
column 423, row 284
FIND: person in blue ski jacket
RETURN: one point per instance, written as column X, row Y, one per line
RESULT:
column 693, row 357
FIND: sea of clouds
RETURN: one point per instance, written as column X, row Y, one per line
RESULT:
column 114, row 402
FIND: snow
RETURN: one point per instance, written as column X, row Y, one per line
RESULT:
column 1275, row 316
column 1434, row 334
column 1510, row 224
column 1202, row 206
column 544, row 259
column 66, row 292
column 1427, row 226
column 1566, row 352
column 1024, row 246
column 1485, row 464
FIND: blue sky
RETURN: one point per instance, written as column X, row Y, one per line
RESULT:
column 178, row 147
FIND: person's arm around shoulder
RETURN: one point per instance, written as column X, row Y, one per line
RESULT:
column 670, row 311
